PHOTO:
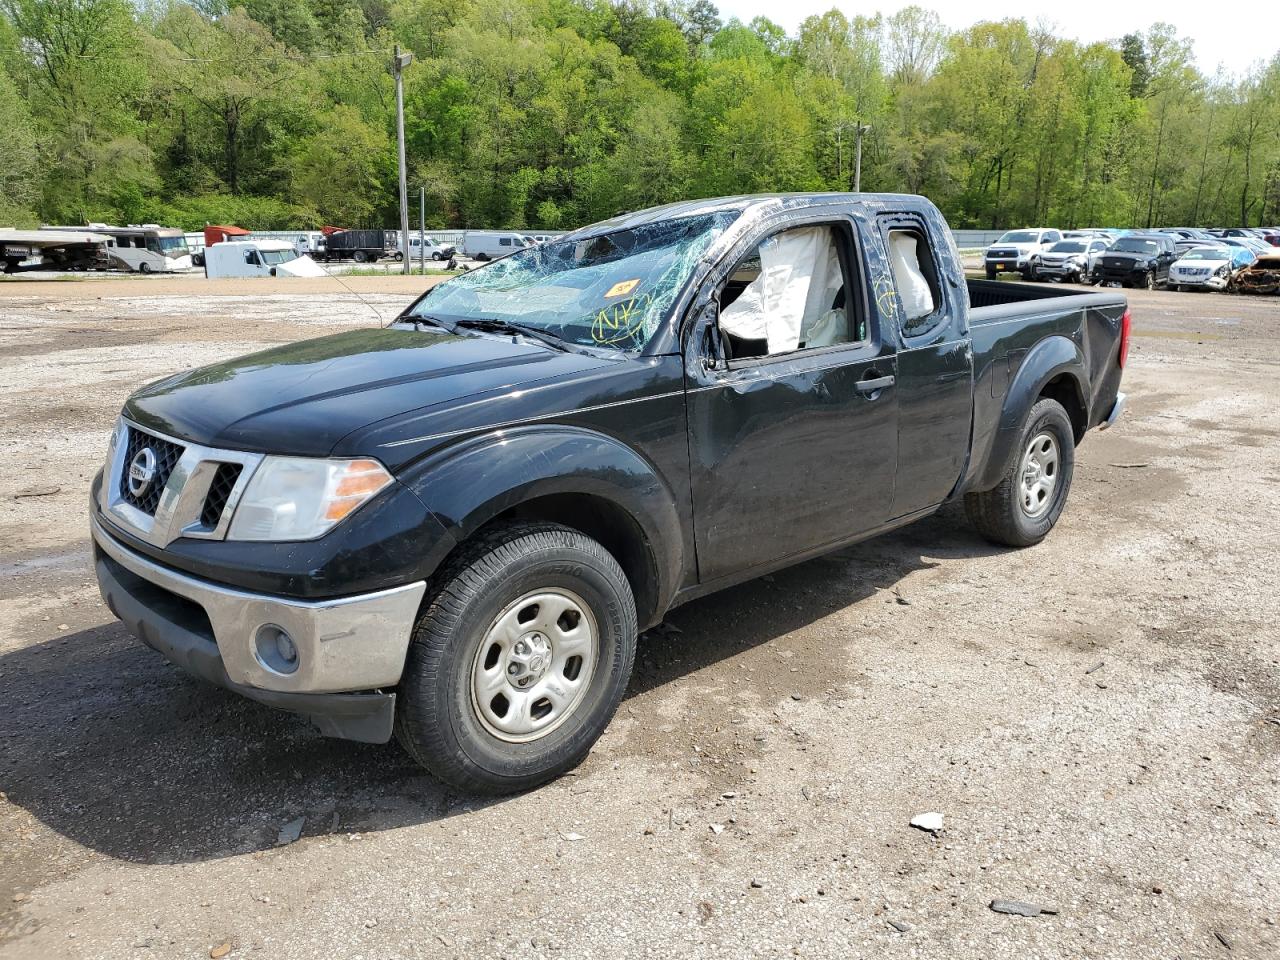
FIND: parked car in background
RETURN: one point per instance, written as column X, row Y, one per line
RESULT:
column 419, row 247
column 491, row 244
column 1186, row 233
column 1073, row 260
column 1017, row 250
column 1252, row 243
column 1270, row 234
column 1209, row 267
column 1138, row 260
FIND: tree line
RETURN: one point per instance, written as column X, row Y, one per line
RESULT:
column 548, row 114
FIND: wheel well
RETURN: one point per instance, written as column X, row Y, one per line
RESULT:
column 609, row 525
column 1063, row 388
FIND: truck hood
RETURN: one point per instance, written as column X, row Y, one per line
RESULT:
column 1123, row 258
column 303, row 398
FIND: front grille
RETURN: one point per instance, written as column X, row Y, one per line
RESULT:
column 167, row 455
column 224, row 481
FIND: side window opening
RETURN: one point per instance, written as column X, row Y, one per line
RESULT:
column 504, row 241
column 916, row 280
column 788, row 294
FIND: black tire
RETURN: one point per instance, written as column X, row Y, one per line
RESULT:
column 436, row 256
column 399, row 257
column 1149, row 280
column 991, row 273
column 359, row 256
column 998, row 513
column 144, row 268
column 436, row 720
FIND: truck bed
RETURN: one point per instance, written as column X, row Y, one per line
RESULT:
column 1009, row 320
column 995, row 300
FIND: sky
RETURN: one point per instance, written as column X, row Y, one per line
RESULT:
column 1225, row 40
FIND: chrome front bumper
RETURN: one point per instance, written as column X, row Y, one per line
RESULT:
column 347, row 644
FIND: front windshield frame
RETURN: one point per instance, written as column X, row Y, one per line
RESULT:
column 616, row 289
column 1020, row 236
column 1206, row 253
column 273, row 258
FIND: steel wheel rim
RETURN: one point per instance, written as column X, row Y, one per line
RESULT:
column 534, row 665
column 1039, row 475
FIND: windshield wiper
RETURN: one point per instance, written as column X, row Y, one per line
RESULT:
column 509, row 326
column 421, row 319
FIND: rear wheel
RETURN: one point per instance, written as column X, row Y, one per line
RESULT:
column 144, row 268
column 519, row 661
column 1022, row 509
column 359, row 256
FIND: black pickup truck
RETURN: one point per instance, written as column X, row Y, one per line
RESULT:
column 452, row 528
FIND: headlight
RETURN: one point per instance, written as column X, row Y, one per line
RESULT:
column 1223, row 270
column 298, row 498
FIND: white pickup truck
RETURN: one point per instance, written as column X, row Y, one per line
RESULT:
column 1019, row 250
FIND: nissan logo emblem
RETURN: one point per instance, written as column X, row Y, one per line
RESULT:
column 142, row 470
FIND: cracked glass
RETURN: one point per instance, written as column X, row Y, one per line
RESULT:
column 607, row 290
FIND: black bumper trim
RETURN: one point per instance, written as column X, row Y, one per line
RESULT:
column 165, row 623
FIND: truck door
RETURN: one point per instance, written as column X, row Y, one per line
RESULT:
column 929, row 304
column 792, row 399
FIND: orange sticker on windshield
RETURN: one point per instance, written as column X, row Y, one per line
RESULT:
column 621, row 288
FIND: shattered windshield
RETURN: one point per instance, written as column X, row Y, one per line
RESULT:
column 610, row 290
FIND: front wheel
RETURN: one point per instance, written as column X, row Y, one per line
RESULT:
column 519, row 661
column 1149, row 280
column 1024, row 506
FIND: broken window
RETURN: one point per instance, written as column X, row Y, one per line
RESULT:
column 915, row 279
column 611, row 289
column 789, row 293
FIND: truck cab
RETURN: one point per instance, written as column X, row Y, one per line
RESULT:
column 453, row 529
column 258, row 258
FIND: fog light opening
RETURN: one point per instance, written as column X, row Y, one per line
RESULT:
column 275, row 649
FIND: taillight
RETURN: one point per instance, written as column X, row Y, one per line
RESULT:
column 1125, row 322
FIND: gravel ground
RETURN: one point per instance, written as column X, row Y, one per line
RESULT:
column 1090, row 716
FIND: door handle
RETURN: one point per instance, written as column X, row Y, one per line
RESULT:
column 875, row 385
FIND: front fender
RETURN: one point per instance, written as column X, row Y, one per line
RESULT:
column 467, row 486
column 1050, row 358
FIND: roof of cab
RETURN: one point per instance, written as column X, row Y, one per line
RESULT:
column 763, row 201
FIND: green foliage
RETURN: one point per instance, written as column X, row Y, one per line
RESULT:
column 547, row 114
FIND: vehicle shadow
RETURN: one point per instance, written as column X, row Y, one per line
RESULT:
column 113, row 748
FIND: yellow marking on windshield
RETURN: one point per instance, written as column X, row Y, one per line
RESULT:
column 621, row 288
column 621, row 321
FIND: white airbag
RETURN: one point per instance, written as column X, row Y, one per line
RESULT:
column 790, row 301
column 913, row 288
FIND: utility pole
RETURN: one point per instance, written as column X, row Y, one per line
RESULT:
column 857, row 163
column 401, row 61
column 422, row 229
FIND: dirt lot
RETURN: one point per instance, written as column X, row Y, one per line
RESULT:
column 810, row 714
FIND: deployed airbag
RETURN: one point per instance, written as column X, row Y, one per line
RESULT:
column 790, row 302
column 913, row 288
